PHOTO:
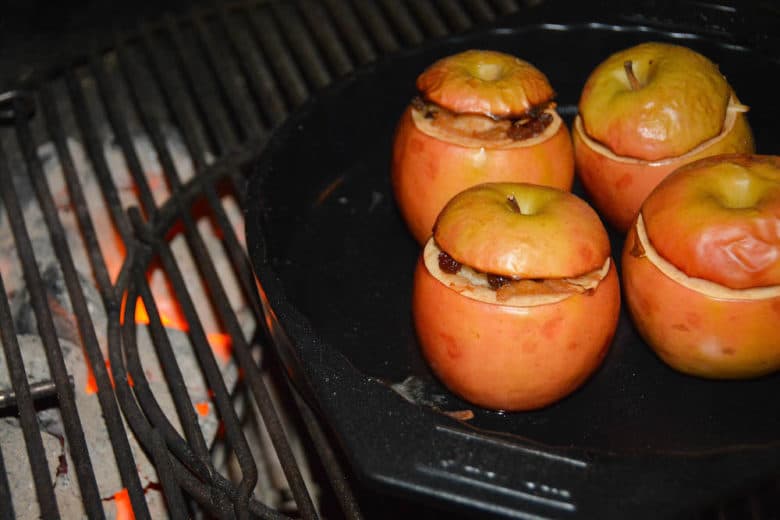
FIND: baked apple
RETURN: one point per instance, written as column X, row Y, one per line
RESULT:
column 643, row 113
column 701, row 267
column 481, row 116
column 515, row 298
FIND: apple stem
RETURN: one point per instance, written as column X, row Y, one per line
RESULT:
column 513, row 204
column 632, row 79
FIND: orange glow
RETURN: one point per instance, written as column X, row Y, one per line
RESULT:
column 221, row 344
column 124, row 510
column 170, row 315
column 91, row 386
column 203, row 408
column 113, row 250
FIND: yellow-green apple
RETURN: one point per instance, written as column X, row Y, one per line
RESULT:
column 701, row 267
column 644, row 112
column 481, row 116
column 515, row 298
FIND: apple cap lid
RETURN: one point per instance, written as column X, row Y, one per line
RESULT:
column 485, row 82
column 718, row 219
column 522, row 230
column 677, row 100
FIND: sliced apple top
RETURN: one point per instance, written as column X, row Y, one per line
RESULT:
column 655, row 101
column 718, row 219
column 522, row 231
column 485, row 82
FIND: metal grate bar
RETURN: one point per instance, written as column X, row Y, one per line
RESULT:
column 184, row 118
column 351, row 31
column 206, row 98
column 176, row 384
column 134, row 416
column 403, row 22
column 211, row 491
column 208, row 364
column 152, row 127
column 94, row 147
column 506, row 6
column 319, row 24
column 251, row 129
column 298, row 39
column 221, row 133
column 455, row 15
column 377, row 26
column 107, row 90
column 429, row 17
column 149, row 403
column 108, row 405
column 27, row 417
column 76, row 194
column 241, row 349
column 283, row 64
column 7, row 512
column 480, row 10
column 171, row 490
column 70, row 417
column 256, row 70
column 100, row 272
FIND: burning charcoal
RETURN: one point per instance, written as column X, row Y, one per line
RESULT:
column 58, row 301
column 17, row 468
column 59, row 305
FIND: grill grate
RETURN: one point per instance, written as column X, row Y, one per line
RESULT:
column 211, row 84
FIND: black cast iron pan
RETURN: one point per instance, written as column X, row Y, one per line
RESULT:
column 335, row 263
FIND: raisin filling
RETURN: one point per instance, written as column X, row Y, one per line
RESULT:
column 531, row 124
column 507, row 287
column 448, row 264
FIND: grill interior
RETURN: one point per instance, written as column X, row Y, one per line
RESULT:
column 123, row 264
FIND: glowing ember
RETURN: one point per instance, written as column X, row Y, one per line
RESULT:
column 221, row 344
column 170, row 315
column 91, row 386
column 124, row 510
column 203, row 408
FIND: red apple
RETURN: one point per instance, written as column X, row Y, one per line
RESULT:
column 701, row 267
column 481, row 116
column 643, row 113
column 515, row 297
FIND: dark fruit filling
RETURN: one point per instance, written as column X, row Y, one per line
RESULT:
column 531, row 124
column 448, row 264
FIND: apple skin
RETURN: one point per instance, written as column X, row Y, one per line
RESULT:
column 695, row 333
column 617, row 185
column 428, row 171
column 526, row 353
column 703, row 287
column 511, row 358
